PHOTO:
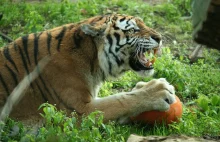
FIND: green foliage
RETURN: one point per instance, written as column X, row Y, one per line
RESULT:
column 187, row 78
column 183, row 6
column 210, row 106
column 197, row 123
column 12, row 130
column 34, row 20
column 170, row 11
column 60, row 127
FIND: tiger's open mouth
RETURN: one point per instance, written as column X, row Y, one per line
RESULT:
column 141, row 61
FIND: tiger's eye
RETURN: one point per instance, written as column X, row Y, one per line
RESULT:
column 131, row 31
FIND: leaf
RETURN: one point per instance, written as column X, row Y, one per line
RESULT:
column 215, row 100
column 203, row 103
column 181, row 57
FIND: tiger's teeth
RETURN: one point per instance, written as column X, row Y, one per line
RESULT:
column 148, row 64
column 153, row 60
column 148, row 58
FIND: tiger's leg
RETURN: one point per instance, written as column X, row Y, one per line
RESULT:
column 154, row 95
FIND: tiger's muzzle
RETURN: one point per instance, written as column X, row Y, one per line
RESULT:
column 143, row 57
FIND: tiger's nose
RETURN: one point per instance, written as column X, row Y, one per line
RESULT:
column 157, row 39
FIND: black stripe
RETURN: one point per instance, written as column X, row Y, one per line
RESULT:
column 118, row 48
column 103, row 75
column 115, row 18
column 123, row 53
column 118, row 61
column 94, row 56
column 95, row 20
column 25, row 64
column 117, row 36
column 115, row 28
column 48, row 41
column 125, row 31
column 127, row 21
column 36, row 48
column 109, row 63
column 121, row 20
column 44, row 85
column 56, row 94
column 14, row 76
column 42, row 93
column 131, row 43
column 23, row 60
column 4, row 84
column 100, row 18
column 25, row 42
column 59, row 37
column 107, row 20
column 77, row 38
column 109, row 40
column 15, row 47
column 127, row 24
column 53, row 92
column 8, row 57
column 71, row 26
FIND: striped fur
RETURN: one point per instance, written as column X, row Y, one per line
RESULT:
column 82, row 56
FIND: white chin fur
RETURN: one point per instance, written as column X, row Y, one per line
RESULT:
column 145, row 73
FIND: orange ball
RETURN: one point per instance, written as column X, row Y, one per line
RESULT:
column 166, row 117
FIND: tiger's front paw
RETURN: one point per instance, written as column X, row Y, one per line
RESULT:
column 156, row 94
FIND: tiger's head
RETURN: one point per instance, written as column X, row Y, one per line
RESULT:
column 123, row 42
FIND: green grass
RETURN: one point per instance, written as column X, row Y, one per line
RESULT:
column 197, row 85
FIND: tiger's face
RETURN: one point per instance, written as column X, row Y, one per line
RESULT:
column 126, row 40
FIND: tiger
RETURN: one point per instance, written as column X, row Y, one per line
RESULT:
column 83, row 56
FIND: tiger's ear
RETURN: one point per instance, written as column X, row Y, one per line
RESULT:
column 92, row 30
